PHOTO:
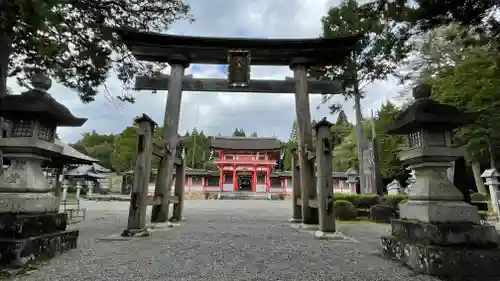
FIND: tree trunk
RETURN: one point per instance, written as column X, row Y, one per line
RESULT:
column 492, row 153
column 359, row 138
column 476, row 170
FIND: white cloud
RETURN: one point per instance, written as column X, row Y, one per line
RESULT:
column 266, row 114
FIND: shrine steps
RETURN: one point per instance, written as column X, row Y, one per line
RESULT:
column 242, row 195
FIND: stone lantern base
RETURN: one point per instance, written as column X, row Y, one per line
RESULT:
column 31, row 227
column 25, row 238
column 444, row 249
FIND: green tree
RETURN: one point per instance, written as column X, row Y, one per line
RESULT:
column 293, row 133
column 380, row 49
column 239, row 133
column 254, row 135
column 97, row 146
column 72, row 42
column 124, row 152
column 289, row 146
column 388, row 145
column 465, row 75
column 341, row 129
column 473, row 85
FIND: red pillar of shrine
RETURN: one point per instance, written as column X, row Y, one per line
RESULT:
column 235, row 181
column 268, row 179
column 221, row 179
column 254, row 178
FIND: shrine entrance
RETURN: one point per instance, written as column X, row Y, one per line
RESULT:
column 245, row 181
column 239, row 54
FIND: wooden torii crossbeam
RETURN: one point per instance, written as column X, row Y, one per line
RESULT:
column 220, row 85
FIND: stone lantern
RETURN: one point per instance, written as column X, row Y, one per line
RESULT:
column 29, row 216
column 351, row 174
column 439, row 233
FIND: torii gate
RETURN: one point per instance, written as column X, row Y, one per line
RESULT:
column 239, row 54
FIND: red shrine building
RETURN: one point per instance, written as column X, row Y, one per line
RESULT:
column 246, row 163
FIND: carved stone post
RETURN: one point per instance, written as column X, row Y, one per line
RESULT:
column 305, row 140
column 170, row 137
column 78, row 190
column 297, row 210
column 90, row 190
column 325, row 181
column 491, row 180
column 64, row 190
column 136, row 225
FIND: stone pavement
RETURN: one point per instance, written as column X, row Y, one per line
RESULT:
column 221, row 240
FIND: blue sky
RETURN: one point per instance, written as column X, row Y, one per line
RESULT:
column 266, row 114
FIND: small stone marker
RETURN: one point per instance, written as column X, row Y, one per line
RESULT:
column 78, row 190
column 90, row 190
column 65, row 190
column 491, row 180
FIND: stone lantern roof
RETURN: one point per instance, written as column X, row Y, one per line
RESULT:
column 428, row 114
column 38, row 104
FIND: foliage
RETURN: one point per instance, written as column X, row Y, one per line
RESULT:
column 123, row 155
column 97, row 146
column 239, row 133
column 394, row 200
column 72, row 41
column 388, row 145
column 424, row 15
column 380, row 48
column 382, row 213
column 466, row 77
column 345, row 154
column 366, row 201
column 197, row 146
column 345, row 210
column 341, row 129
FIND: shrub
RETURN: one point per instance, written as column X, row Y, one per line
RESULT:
column 345, row 210
column 366, row 201
column 394, row 200
column 403, row 202
column 382, row 213
column 353, row 198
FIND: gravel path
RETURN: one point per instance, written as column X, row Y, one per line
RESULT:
column 221, row 240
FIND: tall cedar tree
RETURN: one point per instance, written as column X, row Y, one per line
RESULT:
column 70, row 39
column 376, row 56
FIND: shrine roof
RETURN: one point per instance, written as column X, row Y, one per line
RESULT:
column 158, row 47
column 246, row 143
